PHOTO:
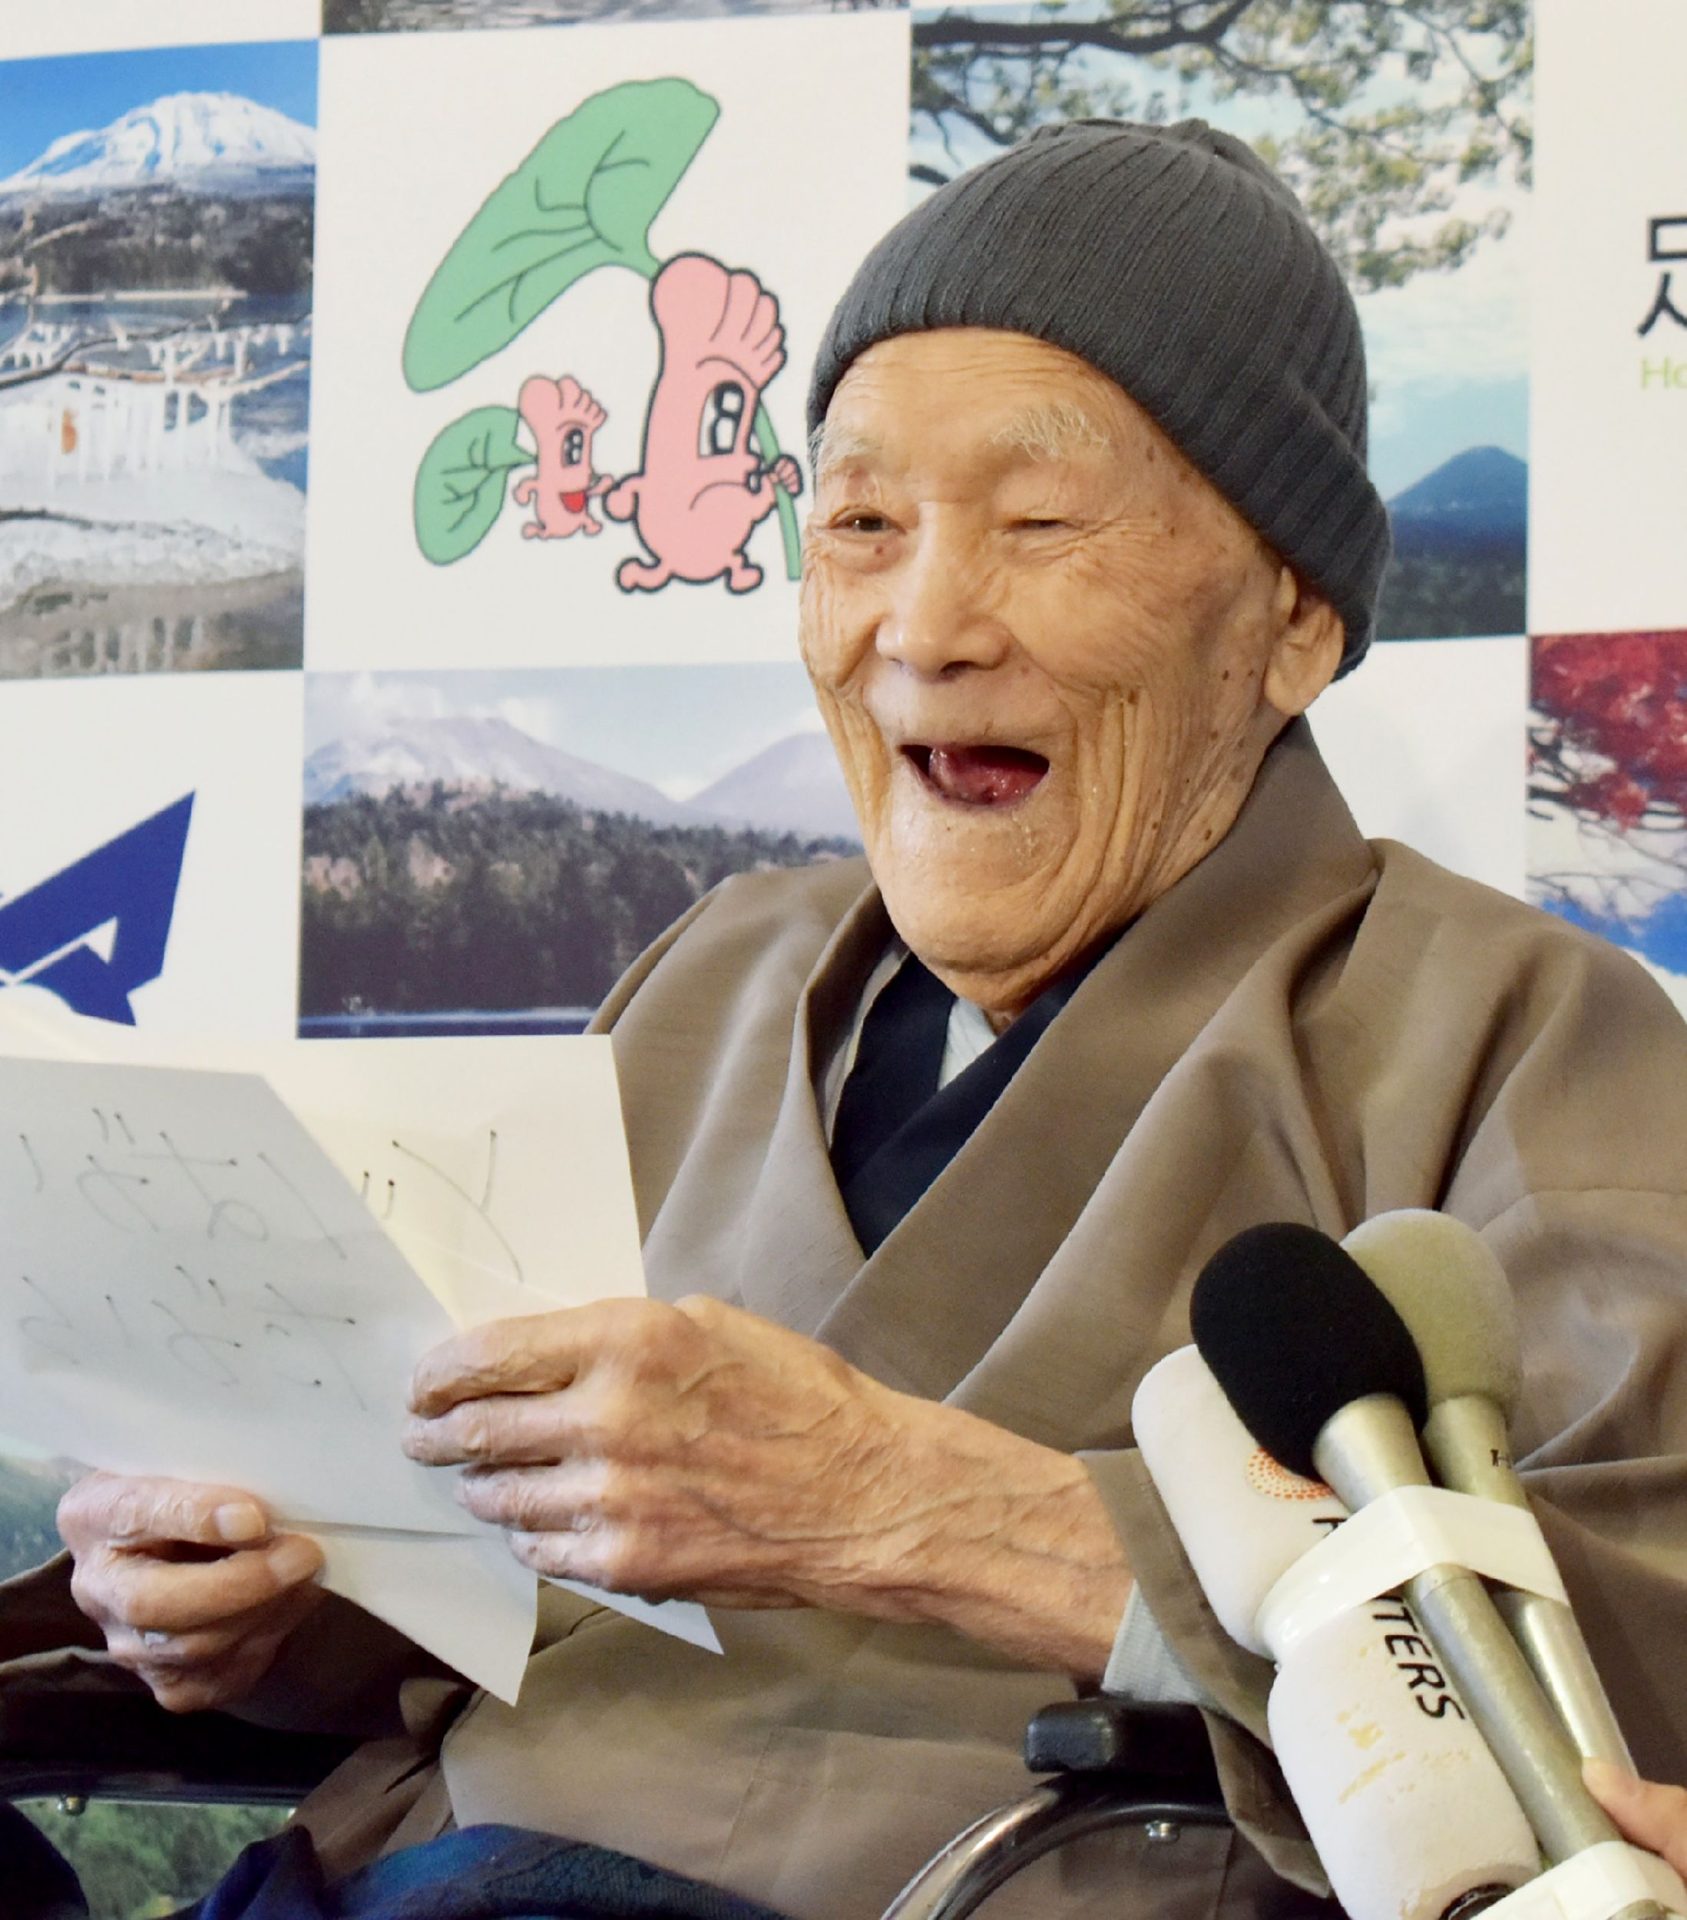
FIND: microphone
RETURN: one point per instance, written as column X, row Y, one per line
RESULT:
column 1448, row 1287
column 1241, row 1519
column 1325, row 1375
column 1405, row 1804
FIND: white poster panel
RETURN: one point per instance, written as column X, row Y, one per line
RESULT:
column 1424, row 741
column 97, row 26
column 571, row 284
column 1609, row 393
column 149, row 849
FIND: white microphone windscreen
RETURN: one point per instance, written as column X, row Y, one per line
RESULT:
column 1243, row 1519
column 1405, row 1804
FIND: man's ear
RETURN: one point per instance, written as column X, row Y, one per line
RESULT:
column 1308, row 648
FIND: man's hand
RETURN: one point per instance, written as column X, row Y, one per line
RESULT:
column 699, row 1451
column 194, row 1593
column 1651, row 1816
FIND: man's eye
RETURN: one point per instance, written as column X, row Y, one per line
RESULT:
column 1037, row 523
column 861, row 520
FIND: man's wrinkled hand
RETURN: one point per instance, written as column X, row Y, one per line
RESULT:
column 190, row 1586
column 664, row 1449
column 702, row 1452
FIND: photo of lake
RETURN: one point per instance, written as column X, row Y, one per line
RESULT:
column 155, row 352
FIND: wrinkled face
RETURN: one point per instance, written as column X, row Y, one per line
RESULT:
column 1051, row 655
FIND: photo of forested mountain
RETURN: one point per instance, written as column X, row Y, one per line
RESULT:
column 488, row 852
column 1460, row 561
column 481, row 903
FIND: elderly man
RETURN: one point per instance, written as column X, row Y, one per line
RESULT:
column 927, row 1158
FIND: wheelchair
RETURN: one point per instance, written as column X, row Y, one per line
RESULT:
column 1100, row 1764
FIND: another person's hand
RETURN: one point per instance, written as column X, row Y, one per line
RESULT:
column 1651, row 1816
column 193, row 1591
column 700, row 1451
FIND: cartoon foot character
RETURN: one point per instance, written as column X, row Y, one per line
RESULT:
column 702, row 489
column 562, row 418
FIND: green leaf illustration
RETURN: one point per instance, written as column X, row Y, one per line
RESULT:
column 461, row 482
column 583, row 198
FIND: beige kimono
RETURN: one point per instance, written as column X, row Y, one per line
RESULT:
column 1306, row 1027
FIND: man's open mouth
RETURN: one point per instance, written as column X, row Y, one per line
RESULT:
column 977, row 776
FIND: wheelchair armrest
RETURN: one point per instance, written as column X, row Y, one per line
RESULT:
column 1104, row 1735
column 127, row 1746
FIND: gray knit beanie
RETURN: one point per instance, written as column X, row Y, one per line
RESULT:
column 1175, row 262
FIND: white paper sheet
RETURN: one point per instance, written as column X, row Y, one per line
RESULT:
column 504, row 1183
column 684, row 1619
column 187, row 1286
column 470, row 1601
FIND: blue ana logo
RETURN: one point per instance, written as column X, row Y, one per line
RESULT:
column 97, row 929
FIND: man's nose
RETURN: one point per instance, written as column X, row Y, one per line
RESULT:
column 942, row 611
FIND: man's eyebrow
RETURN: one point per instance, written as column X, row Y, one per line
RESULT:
column 1053, row 431
column 834, row 446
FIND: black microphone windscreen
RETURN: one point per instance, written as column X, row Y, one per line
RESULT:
column 1294, row 1330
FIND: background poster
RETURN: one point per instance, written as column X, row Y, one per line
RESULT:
column 486, row 851
column 149, row 838
column 559, row 191
column 155, row 329
column 1607, row 834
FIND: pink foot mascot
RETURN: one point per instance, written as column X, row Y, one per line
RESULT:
column 562, row 418
column 702, row 489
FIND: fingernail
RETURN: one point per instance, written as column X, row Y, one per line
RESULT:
column 1598, row 1772
column 295, row 1560
column 239, row 1521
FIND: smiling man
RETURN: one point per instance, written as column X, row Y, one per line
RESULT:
column 929, row 1149
column 1051, row 655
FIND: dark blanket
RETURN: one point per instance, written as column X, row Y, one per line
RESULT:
column 477, row 1873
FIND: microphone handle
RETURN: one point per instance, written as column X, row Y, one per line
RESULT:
column 1551, row 1638
column 1370, row 1448
column 1466, row 1439
column 1528, row 1740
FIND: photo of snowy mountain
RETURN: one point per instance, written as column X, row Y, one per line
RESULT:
column 485, row 852
column 196, row 142
column 155, row 349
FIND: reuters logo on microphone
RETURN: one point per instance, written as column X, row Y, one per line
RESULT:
column 1275, row 1481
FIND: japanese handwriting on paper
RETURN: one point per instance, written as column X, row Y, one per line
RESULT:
column 1666, row 246
column 140, row 1180
column 221, row 1319
column 445, row 1204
